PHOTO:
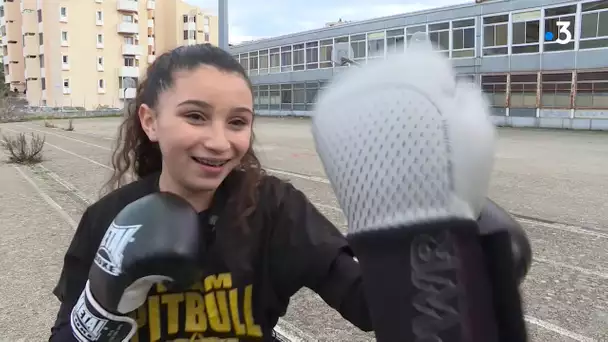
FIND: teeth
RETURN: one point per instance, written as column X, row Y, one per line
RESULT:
column 210, row 162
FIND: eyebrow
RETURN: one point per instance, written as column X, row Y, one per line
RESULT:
column 206, row 105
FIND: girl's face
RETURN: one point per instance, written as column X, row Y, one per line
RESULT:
column 203, row 125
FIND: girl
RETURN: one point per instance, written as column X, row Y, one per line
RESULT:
column 190, row 132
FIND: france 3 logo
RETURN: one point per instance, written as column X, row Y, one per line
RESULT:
column 562, row 36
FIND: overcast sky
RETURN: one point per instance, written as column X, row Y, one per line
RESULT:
column 254, row 19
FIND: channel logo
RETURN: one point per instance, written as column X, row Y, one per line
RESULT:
column 563, row 36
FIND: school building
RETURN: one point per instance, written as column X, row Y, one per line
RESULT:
column 542, row 63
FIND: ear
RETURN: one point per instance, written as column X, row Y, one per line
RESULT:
column 147, row 118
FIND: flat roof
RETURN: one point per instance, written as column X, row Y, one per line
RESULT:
column 367, row 21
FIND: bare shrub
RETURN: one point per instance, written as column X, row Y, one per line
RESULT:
column 22, row 150
column 70, row 125
column 49, row 124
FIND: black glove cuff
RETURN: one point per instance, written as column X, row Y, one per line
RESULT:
column 91, row 322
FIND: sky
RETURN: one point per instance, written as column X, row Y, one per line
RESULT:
column 249, row 19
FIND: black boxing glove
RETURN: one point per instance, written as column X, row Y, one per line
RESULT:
column 494, row 219
column 154, row 239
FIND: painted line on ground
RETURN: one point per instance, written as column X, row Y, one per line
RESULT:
column 572, row 267
column 533, row 320
column 559, row 330
column 64, row 215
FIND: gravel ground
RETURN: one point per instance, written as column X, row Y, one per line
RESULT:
column 555, row 181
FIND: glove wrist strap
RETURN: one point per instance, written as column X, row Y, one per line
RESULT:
column 91, row 322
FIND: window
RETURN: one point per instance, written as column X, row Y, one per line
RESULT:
column 594, row 25
column 298, row 57
column 286, row 55
column 207, row 37
column 256, row 96
column 66, row 84
column 592, row 90
column 526, row 28
column 299, row 96
column 275, row 60
column 342, row 48
column 99, row 63
column 185, row 17
column 523, row 91
column 275, row 96
column 41, row 59
column 185, row 34
column 101, row 84
column 552, row 16
column 39, row 13
column 395, row 41
column 99, row 18
column 40, row 39
column 244, row 60
column 357, row 43
column 127, row 18
column 253, row 63
column 312, row 88
column 127, row 82
column 64, row 59
column 495, row 35
column 463, row 38
column 410, row 31
column 286, row 96
column 129, row 40
column 439, row 34
column 64, row 37
column 312, row 55
column 263, row 62
column 43, row 83
column 495, row 88
column 325, row 52
column 63, row 13
column 263, row 97
column 375, row 45
column 100, row 40
column 555, row 90
column 129, row 61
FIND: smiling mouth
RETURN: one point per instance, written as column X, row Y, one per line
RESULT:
column 210, row 162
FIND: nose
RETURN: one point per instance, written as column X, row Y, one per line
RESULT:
column 217, row 140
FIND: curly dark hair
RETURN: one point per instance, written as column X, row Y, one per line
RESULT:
column 135, row 153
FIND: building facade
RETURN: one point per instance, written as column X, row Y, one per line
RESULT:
column 77, row 53
column 517, row 50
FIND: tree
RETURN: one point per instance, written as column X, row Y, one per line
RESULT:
column 4, row 89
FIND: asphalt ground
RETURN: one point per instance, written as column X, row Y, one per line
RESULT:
column 555, row 182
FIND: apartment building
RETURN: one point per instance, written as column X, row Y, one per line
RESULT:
column 91, row 53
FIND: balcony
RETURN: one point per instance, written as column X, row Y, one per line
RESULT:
column 130, row 28
column 131, row 49
column 128, row 93
column 128, row 6
column 151, row 5
column 126, row 71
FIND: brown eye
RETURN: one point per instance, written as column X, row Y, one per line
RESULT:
column 240, row 123
column 195, row 117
